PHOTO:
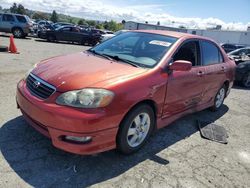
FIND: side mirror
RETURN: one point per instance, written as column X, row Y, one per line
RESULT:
column 181, row 65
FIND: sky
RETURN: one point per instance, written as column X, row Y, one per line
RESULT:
column 231, row 14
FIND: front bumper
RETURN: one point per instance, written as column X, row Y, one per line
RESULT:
column 55, row 121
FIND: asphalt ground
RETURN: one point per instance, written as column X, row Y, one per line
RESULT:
column 175, row 156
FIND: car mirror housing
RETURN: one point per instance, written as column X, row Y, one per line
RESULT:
column 180, row 65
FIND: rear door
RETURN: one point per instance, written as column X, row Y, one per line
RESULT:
column 215, row 69
column 185, row 89
column 8, row 21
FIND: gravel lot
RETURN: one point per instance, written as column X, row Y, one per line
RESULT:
column 175, row 156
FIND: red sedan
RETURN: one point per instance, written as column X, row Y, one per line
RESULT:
column 117, row 93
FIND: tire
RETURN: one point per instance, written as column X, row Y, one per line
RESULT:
column 51, row 38
column 219, row 99
column 140, row 122
column 3, row 49
column 246, row 80
column 18, row 33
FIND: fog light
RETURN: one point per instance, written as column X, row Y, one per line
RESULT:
column 78, row 139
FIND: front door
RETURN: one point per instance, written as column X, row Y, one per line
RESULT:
column 185, row 89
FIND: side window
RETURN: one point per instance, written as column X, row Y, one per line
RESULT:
column 8, row 18
column 66, row 29
column 189, row 51
column 21, row 19
column 211, row 54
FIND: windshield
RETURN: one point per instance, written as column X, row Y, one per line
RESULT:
column 143, row 49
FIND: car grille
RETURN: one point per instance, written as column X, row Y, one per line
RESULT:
column 38, row 87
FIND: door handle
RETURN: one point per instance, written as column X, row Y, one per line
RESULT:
column 200, row 73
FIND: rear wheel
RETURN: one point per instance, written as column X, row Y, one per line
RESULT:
column 18, row 33
column 219, row 98
column 246, row 80
column 135, row 129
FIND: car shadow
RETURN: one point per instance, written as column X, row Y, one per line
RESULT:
column 8, row 36
column 38, row 163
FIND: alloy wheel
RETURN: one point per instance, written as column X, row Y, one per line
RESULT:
column 17, row 33
column 220, row 97
column 138, row 130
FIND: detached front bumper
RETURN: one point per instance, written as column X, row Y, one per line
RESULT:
column 56, row 122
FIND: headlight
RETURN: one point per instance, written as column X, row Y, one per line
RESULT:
column 86, row 98
column 29, row 71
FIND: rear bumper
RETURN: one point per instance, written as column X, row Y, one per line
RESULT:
column 45, row 120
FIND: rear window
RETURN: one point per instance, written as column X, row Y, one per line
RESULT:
column 210, row 53
column 8, row 18
column 21, row 19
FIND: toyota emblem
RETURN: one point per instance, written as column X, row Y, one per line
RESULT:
column 36, row 84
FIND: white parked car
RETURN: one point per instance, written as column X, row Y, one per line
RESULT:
column 108, row 35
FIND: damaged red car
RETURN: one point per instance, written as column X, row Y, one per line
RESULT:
column 117, row 93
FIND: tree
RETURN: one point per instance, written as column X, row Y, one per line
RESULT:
column 99, row 26
column 20, row 9
column 40, row 16
column 158, row 23
column 13, row 8
column 123, row 22
column 54, row 16
column 91, row 23
column 1, row 8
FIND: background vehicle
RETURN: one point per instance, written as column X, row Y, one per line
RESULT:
column 231, row 47
column 243, row 74
column 70, row 34
column 108, row 36
column 19, row 25
column 240, row 55
column 59, row 24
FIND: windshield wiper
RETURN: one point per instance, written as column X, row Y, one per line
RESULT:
column 103, row 55
column 115, row 57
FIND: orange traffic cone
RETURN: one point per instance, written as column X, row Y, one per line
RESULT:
column 12, row 47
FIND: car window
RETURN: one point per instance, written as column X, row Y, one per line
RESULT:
column 21, row 19
column 144, row 49
column 66, row 29
column 210, row 53
column 8, row 18
column 190, row 51
column 75, row 29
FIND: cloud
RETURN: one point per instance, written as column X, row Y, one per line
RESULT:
column 100, row 10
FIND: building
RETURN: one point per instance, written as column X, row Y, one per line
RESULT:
column 224, row 36
column 221, row 36
column 130, row 25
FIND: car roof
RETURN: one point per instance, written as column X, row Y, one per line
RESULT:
column 172, row 34
column 14, row 14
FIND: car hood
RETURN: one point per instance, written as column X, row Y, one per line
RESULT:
column 82, row 70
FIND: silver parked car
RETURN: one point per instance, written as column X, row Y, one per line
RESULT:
column 19, row 25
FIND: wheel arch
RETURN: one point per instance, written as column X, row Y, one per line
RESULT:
column 16, row 27
column 148, row 102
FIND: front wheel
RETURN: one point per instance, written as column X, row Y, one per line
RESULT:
column 135, row 129
column 219, row 98
column 18, row 33
column 246, row 80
